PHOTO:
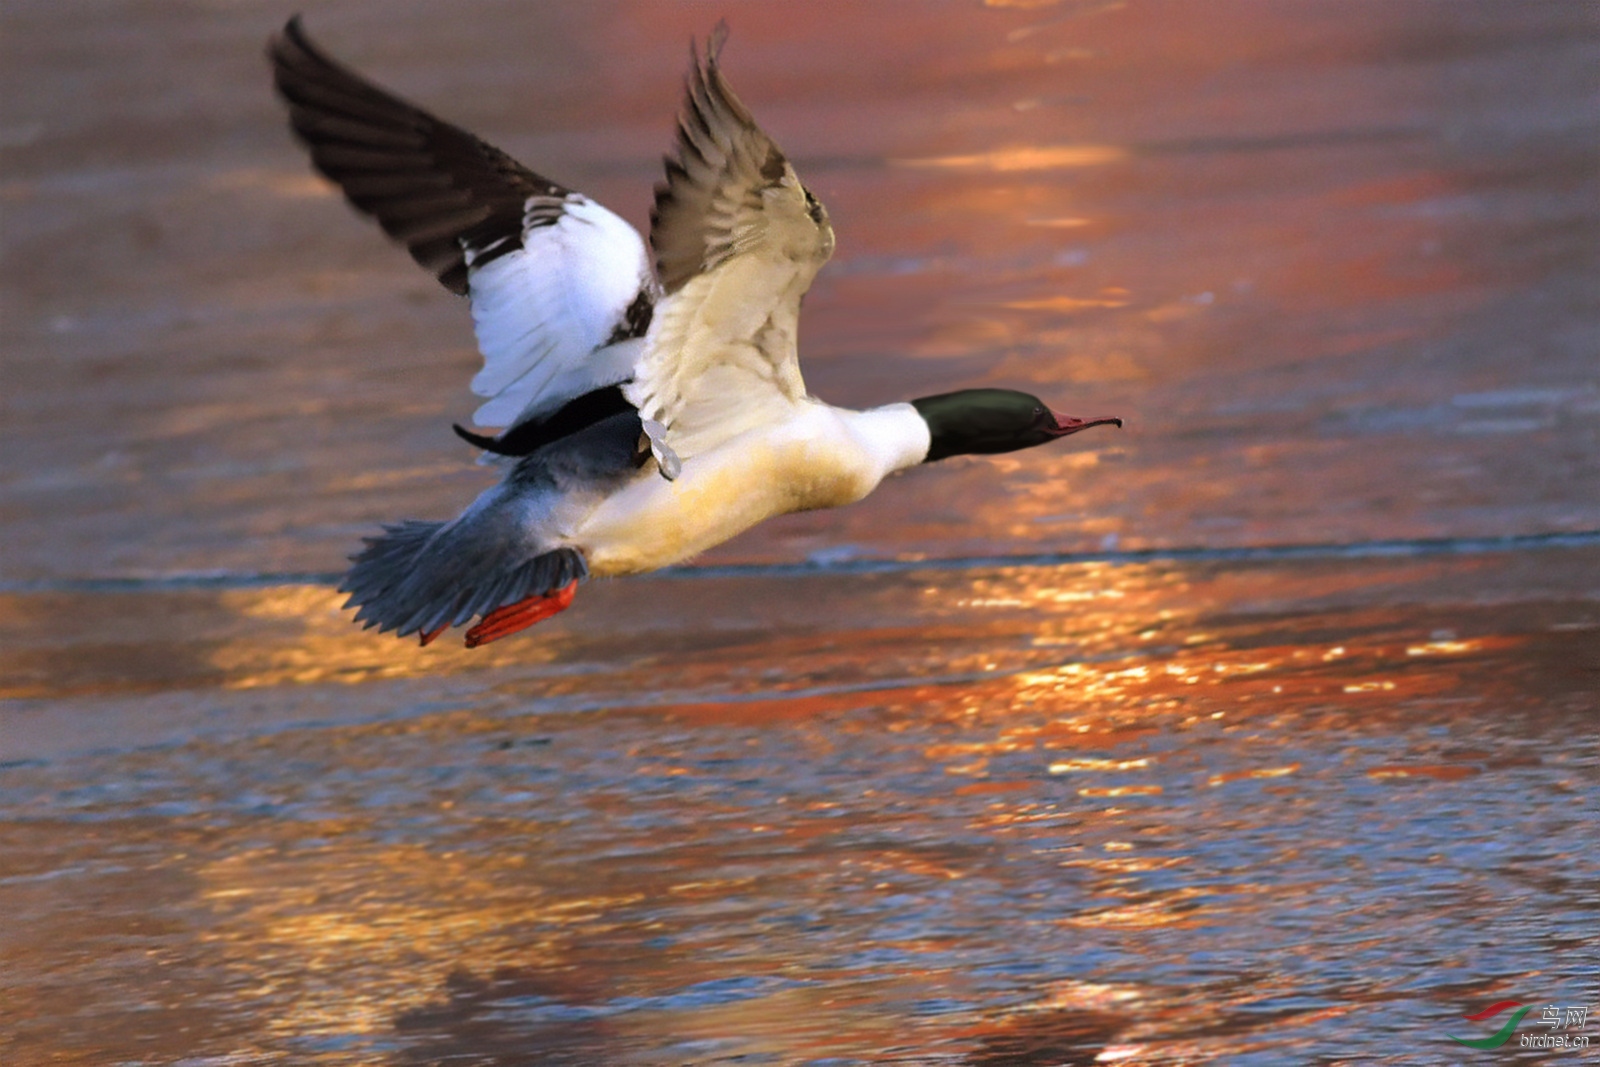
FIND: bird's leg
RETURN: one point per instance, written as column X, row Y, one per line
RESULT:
column 427, row 636
column 507, row 620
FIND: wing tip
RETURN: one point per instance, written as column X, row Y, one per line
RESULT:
column 715, row 43
column 703, row 71
column 355, row 131
column 292, row 45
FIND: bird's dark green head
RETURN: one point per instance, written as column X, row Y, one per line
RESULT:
column 984, row 422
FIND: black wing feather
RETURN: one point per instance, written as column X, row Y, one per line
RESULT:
column 433, row 186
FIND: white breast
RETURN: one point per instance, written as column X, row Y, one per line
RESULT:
column 822, row 457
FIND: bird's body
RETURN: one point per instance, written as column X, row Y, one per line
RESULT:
column 649, row 414
column 820, row 457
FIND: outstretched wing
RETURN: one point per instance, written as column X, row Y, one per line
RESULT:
column 737, row 241
column 561, row 288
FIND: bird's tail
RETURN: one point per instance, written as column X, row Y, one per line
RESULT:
column 421, row 577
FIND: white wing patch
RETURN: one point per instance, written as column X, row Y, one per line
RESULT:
column 546, row 315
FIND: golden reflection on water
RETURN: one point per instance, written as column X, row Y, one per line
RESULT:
column 1021, row 5
column 1027, row 158
column 303, row 635
column 1011, row 618
column 298, row 927
column 1106, row 647
column 311, row 640
column 1254, row 772
column 297, row 924
column 1065, row 222
column 997, row 768
column 1111, row 297
column 1095, row 764
column 1067, row 722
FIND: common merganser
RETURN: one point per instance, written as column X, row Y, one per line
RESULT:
column 649, row 414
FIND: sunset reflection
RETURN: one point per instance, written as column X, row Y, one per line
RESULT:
column 1296, row 763
column 303, row 636
column 1045, row 157
column 1086, row 749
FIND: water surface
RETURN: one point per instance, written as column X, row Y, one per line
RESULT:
column 1017, row 763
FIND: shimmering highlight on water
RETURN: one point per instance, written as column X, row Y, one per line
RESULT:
column 1260, row 732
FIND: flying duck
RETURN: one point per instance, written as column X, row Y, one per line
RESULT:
column 650, row 397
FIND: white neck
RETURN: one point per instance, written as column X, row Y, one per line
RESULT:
column 895, row 435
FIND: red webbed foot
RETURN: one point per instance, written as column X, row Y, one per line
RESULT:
column 502, row 622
